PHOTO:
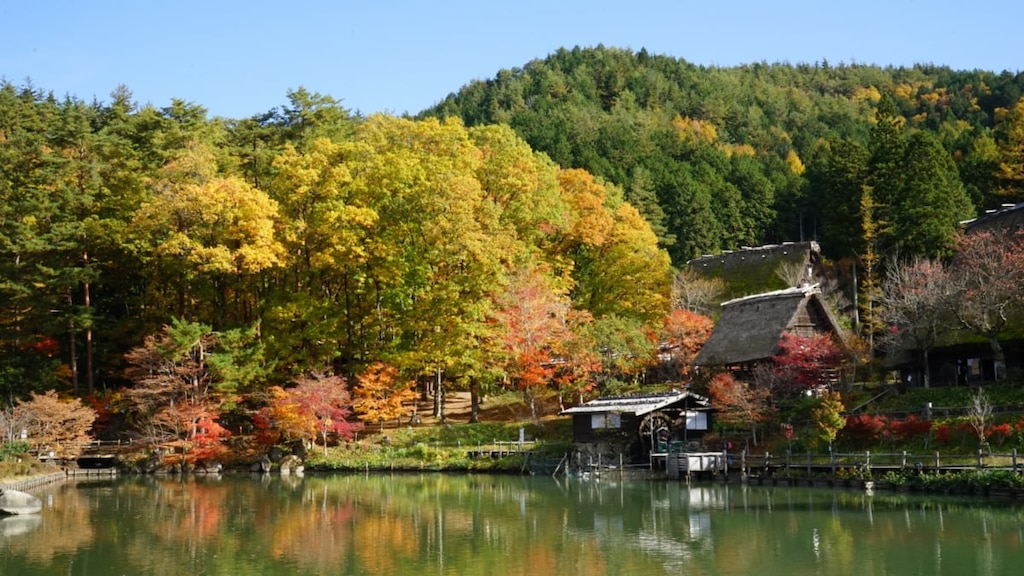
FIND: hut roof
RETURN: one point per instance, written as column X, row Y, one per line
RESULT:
column 750, row 327
column 637, row 404
column 1010, row 216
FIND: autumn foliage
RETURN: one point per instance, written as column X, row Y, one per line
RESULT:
column 57, row 424
column 317, row 407
column 379, row 396
column 684, row 333
column 806, row 363
column 739, row 403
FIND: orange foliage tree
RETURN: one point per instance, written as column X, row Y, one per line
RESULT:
column 317, row 406
column 739, row 403
column 378, row 397
column 59, row 425
column 683, row 334
column 533, row 314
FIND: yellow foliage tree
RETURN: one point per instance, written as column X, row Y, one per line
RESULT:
column 378, row 397
column 693, row 129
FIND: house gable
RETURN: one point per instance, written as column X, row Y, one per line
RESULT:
column 750, row 328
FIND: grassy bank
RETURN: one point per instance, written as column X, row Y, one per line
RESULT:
column 452, row 447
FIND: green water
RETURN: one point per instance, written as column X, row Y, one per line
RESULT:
column 462, row 525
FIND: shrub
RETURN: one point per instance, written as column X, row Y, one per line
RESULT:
column 999, row 432
column 866, row 429
column 911, row 428
column 13, row 450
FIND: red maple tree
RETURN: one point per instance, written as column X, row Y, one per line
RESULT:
column 806, row 363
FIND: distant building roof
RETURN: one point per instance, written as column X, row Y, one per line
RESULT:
column 637, row 404
column 750, row 327
column 754, row 269
column 1010, row 216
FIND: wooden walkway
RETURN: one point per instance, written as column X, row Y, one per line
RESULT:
column 875, row 462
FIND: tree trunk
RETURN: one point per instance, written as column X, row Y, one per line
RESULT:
column 72, row 348
column 927, row 373
column 474, row 401
column 998, row 357
column 88, row 332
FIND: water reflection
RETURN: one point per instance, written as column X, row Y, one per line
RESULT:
column 445, row 524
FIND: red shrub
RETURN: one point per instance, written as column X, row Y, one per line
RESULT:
column 866, row 428
column 911, row 427
column 999, row 432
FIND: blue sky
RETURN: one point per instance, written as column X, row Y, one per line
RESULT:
column 238, row 59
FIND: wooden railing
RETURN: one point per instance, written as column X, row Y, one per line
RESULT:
column 768, row 463
column 501, row 448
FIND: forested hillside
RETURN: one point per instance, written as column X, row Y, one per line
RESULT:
column 717, row 158
column 177, row 266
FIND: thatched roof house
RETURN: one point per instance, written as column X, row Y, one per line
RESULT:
column 750, row 328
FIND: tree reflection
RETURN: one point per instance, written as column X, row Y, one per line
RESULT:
column 442, row 524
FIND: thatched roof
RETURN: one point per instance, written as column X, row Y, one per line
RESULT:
column 636, row 404
column 761, row 268
column 750, row 327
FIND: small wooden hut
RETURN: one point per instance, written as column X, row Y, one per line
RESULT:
column 636, row 426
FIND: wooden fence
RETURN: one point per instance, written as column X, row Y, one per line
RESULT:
column 501, row 449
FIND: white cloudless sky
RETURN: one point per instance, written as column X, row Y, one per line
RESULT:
column 238, row 59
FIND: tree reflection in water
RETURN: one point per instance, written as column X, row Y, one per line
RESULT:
column 463, row 524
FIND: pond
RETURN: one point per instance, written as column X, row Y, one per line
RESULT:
column 466, row 524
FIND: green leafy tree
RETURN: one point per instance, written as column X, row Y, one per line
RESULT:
column 925, row 217
column 838, row 173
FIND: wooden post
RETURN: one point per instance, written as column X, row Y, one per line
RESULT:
column 936, row 461
column 867, row 460
column 1013, row 459
column 979, row 457
column 903, row 460
column 743, row 463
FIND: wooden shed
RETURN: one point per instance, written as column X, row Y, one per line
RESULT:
column 751, row 327
column 637, row 425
